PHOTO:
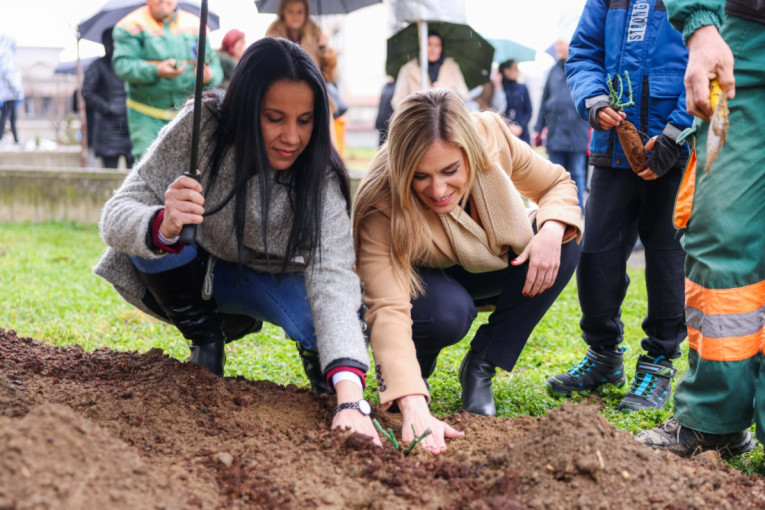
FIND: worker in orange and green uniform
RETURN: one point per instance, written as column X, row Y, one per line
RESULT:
column 723, row 213
column 155, row 54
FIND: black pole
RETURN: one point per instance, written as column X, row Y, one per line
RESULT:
column 189, row 232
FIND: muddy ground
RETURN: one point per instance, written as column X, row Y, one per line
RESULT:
column 109, row 429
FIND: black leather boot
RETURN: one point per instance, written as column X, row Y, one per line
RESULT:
column 475, row 377
column 312, row 368
column 178, row 292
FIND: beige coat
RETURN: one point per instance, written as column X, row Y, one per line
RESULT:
column 310, row 41
column 458, row 239
column 410, row 80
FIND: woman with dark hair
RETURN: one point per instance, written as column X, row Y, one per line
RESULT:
column 441, row 229
column 273, row 238
column 443, row 72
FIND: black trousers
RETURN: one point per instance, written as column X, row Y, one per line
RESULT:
column 444, row 314
column 622, row 206
column 9, row 113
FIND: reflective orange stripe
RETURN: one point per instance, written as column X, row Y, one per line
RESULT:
column 725, row 301
column 684, row 202
column 725, row 311
column 725, row 349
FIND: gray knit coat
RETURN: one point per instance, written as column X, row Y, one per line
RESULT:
column 333, row 288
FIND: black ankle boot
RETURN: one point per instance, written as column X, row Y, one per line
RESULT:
column 312, row 368
column 212, row 356
column 475, row 377
column 178, row 292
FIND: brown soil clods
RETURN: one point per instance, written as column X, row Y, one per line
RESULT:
column 112, row 429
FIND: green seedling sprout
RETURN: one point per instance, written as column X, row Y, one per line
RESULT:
column 616, row 99
column 416, row 440
column 388, row 433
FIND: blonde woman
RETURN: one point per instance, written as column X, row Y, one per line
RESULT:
column 441, row 228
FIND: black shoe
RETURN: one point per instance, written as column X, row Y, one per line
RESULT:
column 599, row 367
column 178, row 293
column 475, row 377
column 211, row 355
column 685, row 442
column 652, row 385
column 312, row 368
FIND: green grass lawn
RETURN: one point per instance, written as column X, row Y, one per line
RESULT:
column 50, row 293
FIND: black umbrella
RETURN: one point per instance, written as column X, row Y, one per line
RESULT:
column 114, row 10
column 318, row 7
column 189, row 232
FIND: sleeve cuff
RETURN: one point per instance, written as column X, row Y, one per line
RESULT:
column 156, row 244
column 698, row 19
column 352, row 370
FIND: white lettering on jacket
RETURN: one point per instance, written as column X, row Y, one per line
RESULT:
column 638, row 21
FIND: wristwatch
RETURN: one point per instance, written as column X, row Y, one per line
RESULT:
column 362, row 405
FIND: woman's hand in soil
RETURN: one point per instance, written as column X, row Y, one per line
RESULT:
column 352, row 419
column 414, row 409
column 543, row 254
column 709, row 57
column 183, row 206
column 610, row 118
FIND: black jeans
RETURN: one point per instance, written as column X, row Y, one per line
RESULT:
column 622, row 206
column 444, row 314
column 9, row 113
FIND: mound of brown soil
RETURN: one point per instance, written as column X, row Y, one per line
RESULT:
column 112, row 429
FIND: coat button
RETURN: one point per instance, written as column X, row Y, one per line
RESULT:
column 618, row 161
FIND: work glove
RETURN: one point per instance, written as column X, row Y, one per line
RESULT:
column 664, row 155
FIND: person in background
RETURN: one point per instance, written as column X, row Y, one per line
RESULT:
column 440, row 228
column 722, row 210
column 443, row 72
column 294, row 23
column 337, row 105
column 231, row 49
column 155, row 55
column 567, row 133
column 489, row 96
column 624, row 204
column 518, row 110
column 11, row 87
column 104, row 93
column 384, row 110
column 273, row 240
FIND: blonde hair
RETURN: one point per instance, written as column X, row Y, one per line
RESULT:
column 420, row 120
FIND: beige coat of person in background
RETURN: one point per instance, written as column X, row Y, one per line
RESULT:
column 295, row 24
column 443, row 72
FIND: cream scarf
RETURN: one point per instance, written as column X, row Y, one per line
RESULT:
column 506, row 223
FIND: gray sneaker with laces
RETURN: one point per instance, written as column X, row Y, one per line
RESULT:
column 685, row 442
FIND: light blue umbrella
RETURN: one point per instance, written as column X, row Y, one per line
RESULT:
column 505, row 49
